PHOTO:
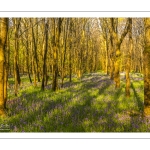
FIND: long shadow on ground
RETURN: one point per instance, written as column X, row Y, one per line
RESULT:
column 75, row 109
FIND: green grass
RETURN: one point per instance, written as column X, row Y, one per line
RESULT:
column 88, row 105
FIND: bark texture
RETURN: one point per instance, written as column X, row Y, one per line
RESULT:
column 147, row 68
column 128, row 62
column 3, row 37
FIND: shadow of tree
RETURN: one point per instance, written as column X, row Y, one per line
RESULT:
column 139, row 100
column 27, row 108
column 75, row 109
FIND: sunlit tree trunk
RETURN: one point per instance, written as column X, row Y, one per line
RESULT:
column 107, row 58
column 128, row 62
column 36, row 50
column 87, row 50
column 64, row 52
column 70, row 61
column 55, row 63
column 103, row 23
column 3, row 72
column 35, row 41
column 117, row 45
column 33, row 66
column 146, row 65
column 27, row 61
column 16, row 67
column 111, row 59
column 45, row 47
column 6, row 66
column 70, row 50
column 56, row 46
column 117, row 67
column 27, row 49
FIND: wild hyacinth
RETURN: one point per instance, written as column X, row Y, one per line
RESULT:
column 88, row 105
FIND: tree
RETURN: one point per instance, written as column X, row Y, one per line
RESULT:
column 16, row 22
column 128, row 62
column 146, row 54
column 3, row 37
column 117, row 44
column 64, row 50
column 106, row 36
column 70, row 49
column 56, row 45
column 34, row 43
column 112, row 58
column 6, row 67
column 45, row 49
column 27, row 48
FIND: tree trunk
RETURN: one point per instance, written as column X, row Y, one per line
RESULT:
column 146, row 65
column 33, row 66
column 117, row 68
column 128, row 62
column 56, row 46
column 45, row 47
column 3, row 81
column 116, row 46
column 64, row 53
column 55, row 52
column 107, row 58
column 111, row 59
column 127, row 77
column 35, row 41
column 27, row 51
column 16, row 68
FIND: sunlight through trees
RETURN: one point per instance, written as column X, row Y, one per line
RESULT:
column 57, row 53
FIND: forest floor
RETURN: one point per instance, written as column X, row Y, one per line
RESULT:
column 91, row 104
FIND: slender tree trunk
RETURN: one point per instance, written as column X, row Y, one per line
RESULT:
column 128, row 62
column 70, row 64
column 117, row 68
column 55, row 52
column 5, row 84
column 104, row 24
column 128, row 77
column 64, row 54
column 56, row 46
column 33, row 66
column 107, row 58
column 45, row 55
column 34, row 39
column 87, row 52
column 6, row 69
column 111, row 59
column 3, row 77
column 146, row 65
column 55, row 70
column 27, row 59
column 16, row 68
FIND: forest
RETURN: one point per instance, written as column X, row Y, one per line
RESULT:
column 75, row 74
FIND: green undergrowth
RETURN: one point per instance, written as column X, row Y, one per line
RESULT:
column 89, row 104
